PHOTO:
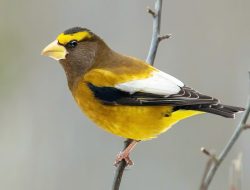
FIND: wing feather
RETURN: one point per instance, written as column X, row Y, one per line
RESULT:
column 114, row 96
column 159, row 83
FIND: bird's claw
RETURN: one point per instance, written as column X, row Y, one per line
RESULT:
column 123, row 156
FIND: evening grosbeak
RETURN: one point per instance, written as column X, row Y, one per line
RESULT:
column 124, row 95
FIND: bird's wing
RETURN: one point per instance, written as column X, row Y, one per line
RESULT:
column 159, row 89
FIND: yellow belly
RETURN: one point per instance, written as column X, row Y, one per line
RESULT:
column 134, row 122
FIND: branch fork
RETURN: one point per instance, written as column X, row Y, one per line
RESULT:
column 156, row 36
column 212, row 156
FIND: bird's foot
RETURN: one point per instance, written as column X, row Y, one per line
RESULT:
column 124, row 155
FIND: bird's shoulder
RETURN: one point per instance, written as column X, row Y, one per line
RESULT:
column 118, row 69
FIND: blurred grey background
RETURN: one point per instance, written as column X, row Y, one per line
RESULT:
column 47, row 143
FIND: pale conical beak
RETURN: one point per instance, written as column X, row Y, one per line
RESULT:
column 55, row 51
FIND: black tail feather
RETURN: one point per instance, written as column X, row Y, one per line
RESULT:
column 217, row 109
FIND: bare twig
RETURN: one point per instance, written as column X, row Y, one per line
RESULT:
column 160, row 38
column 150, row 11
column 156, row 38
column 207, row 168
column 241, row 126
column 205, row 151
column 208, row 153
column 211, row 161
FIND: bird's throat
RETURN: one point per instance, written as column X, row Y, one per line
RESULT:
column 75, row 70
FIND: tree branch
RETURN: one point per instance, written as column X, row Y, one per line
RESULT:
column 156, row 39
column 213, row 167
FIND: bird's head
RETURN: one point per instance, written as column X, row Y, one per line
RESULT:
column 71, row 44
column 76, row 50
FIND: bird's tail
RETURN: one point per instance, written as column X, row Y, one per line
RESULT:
column 218, row 109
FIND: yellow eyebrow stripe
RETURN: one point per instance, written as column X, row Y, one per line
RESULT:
column 66, row 38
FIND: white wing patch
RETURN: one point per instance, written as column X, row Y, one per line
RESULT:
column 159, row 83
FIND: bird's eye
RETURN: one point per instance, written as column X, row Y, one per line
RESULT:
column 72, row 44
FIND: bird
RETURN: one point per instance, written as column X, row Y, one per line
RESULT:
column 124, row 95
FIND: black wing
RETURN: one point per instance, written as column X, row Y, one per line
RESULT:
column 187, row 98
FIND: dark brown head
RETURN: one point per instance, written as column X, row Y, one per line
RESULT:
column 76, row 50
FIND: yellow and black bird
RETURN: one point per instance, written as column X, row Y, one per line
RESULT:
column 124, row 95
